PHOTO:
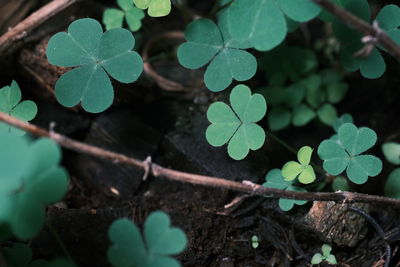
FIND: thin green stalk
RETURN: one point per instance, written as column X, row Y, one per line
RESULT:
column 59, row 241
column 294, row 151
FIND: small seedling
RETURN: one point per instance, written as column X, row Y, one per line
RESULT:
column 236, row 125
column 155, row 8
column 207, row 42
column 159, row 242
column 344, row 154
column 252, row 20
column 325, row 256
column 114, row 18
column 254, row 241
column 274, row 179
column 30, row 179
column 95, row 54
column 302, row 169
column 10, row 103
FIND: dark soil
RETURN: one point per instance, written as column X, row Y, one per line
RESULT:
column 148, row 121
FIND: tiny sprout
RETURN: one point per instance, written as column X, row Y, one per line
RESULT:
column 255, row 241
column 325, row 256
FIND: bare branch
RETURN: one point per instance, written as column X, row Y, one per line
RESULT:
column 21, row 30
column 160, row 171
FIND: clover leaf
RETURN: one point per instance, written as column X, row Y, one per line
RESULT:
column 371, row 66
column 274, row 179
column 263, row 23
column 392, row 185
column 10, row 103
column 325, row 256
column 95, row 54
column 20, row 255
column 114, row 18
column 159, row 243
column 236, row 125
column 345, row 154
column 155, row 8
column 31, row 178
column 391, row 151
column 302, row 169
column 207, row 42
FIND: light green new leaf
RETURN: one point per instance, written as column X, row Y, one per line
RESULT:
column 392, row 185
column 10, row 97
column 207, row 42
column 95, row 54
column 237, row 125
column 391, row 151
column 155, row 8
column 113, row 18
column 274, row 179
column 344, row 154
column 317, row 258
column 161, row 241
column 303, row 170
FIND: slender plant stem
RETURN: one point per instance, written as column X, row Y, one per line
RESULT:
column 294, row 151
column 281, row 142
column 356, row 23
column 159, row 171
column 59, row 241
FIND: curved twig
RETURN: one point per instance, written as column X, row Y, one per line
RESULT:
column 356, row 23
column 160, row 171
column 22, row 29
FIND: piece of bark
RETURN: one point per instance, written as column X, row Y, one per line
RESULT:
column 334, row 223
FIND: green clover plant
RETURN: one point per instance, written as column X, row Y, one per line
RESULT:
column 340, row 183
column 307, row 98
column 207, row 42
column 255, row 242
column 274, row 179
column 95, row 55
column 345, row 153
column 10, row 103
column 391, row 151
column 114, row 18
column 301, row 169
column 20, row 255
column 30, row 179
column 325, row 256
column 263, row 22
column 155, row 8
column 159, row 242
column 288, row 63
column 236, row 125
column 371, row 65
